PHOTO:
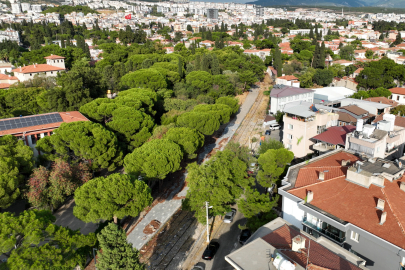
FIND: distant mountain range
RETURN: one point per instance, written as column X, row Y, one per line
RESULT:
column 335, row 3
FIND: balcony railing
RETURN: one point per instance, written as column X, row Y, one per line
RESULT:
column 325, row 232
column 323, row 147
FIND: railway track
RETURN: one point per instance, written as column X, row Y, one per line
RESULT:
column 242, row 133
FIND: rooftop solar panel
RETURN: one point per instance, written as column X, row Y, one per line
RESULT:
column 30, row 121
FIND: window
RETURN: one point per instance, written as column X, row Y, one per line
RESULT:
column 288, row 146
column 290, row 126
column 397, row 97
column 354, row 236
column 289, row 136
column 51, row 72
column 30, row 74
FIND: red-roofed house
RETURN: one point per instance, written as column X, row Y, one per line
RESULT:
column 357, row 205
column 288, row 80
column 31, row 128
column 54, row 65
column 398, row 94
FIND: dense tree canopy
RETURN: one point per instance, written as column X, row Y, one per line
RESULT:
column 154, row 159
column 16, row 160
column 220, row 181
column 116, row 252
column 111, row 197
column 272, row 165
column 190, row 140
column 84, row 141
column 144, row 78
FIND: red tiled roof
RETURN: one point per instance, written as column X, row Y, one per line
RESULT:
column 288, row 77
column 7, row 77
column 357, row 205
column 37, row 68
column 315, row 254
column 398, row 90
column 4, row 85
column 335, row 135
column 383, row 100
column 67, row 117
column 54, row 57
column 358, row 70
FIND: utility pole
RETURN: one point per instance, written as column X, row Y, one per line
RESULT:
column 208, row 227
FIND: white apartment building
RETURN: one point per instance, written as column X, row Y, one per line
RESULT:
column 25, row 7
column 282, row 95
column 16, row 8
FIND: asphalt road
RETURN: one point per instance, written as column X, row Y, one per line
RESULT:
column 227, row 236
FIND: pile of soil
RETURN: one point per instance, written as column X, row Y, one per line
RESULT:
column 151, row 227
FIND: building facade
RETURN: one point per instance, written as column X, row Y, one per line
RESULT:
column 353, row 201
column 54, row 65
column 282, row 95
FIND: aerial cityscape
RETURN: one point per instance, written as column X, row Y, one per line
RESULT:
column 202, row 135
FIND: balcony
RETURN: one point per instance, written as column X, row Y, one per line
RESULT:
column 330, row 232
column 322, row 147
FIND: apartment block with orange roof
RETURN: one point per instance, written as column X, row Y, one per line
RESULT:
column 353, row 201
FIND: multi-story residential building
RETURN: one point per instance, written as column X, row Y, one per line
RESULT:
column 282, row 95
column 54, row 65
column 383, row 140
column 10, row 34
column 302, row 121
column 279, row 245
column 300, row 31
column 16, row 8
column 259, row 11
column 353, row 201
column 34, row 127
column 212, row 13
column 36, row 8
column 25, row 7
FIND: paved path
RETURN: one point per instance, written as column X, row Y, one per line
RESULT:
column 163, row 211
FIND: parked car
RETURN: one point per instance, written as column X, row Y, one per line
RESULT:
column 210, row 251
column 199, row 266
column 229, row 216
column 274, row 126
column 267, row 132
column 244, row 236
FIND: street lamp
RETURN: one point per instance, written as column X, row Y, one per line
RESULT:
column 208, row 229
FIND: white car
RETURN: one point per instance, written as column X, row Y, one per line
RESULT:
column 274, row 126
column 229, row 216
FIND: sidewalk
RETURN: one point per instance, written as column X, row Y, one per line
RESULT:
column 164, row 210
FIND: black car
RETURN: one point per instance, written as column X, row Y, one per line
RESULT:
column 210, row 251
column 267, row 132
column 199, row 266
column 244, row 236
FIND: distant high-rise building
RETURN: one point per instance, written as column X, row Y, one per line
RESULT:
column 36, row 8
column 259, row 11
column 212, row 13
column 15, row 8
column 25, row 7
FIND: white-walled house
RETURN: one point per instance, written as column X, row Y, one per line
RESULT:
column 281, row 95
column 288, row 80
column 54, row 65
column 398, row 94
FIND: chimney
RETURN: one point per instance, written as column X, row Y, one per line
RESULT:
column 298, row 243
column 383, row 218
column 321, row 176
column 361, row 98
column 380, row 204
column 402, row 186
column 345, row 163
column 399, row 113
column 310, row 196
column 380, row 101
